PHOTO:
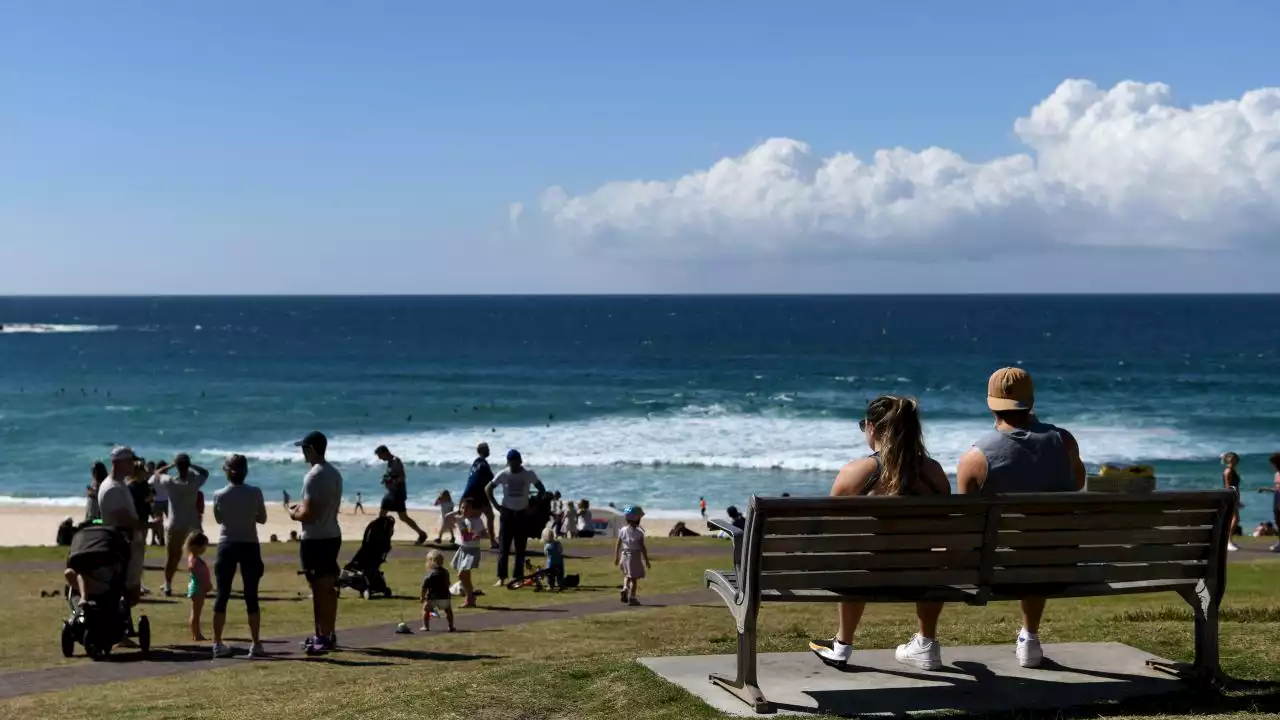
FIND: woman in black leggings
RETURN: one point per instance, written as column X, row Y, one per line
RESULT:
column 239, row 509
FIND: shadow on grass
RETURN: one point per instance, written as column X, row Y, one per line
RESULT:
column 503, row 608
column 402, row 654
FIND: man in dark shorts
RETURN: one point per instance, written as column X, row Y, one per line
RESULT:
column 394, row 501
column 1022, row 455
column 321, row 538
column 477, row 481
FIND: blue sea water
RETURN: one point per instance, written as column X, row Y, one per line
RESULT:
column 654, row 400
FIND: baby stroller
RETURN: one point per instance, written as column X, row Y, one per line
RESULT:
column 100, row 555
column 364, row 573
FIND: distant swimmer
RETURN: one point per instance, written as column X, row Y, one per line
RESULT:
column 397, row 496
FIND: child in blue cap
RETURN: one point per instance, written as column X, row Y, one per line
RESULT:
column 630, row 553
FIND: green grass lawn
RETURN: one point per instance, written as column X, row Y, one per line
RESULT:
column 585, row 668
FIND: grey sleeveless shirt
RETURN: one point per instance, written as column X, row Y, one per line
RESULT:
column 1031, row 459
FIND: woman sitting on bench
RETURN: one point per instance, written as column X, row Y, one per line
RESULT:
column 898, row 465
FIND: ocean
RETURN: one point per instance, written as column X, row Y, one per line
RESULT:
column 650, row 400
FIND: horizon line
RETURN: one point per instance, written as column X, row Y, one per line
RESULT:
column 355, row 295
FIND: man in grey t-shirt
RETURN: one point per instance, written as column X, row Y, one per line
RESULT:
column 321, row 537
column 118, row 510
column 1021, row 455
column 183, row 490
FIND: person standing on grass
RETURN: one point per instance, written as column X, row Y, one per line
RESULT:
column 119, row 511
column 471, row 530
column 435, row 591
column 199, row 584
column 899, row 464
column 630, row 553
column 98, row 473
column 516, row 482
column 1022, row 455
column 1231, row 481
column 1275, row 495
column 239, row 509
column 321, row 538
column 397, row 498
column 479, row 478
column 183, row 491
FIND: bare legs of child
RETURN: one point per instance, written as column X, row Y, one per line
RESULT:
column 464, row 577
column 426, row 616
column 197, row 607
column 74, row 580
column 628, row 594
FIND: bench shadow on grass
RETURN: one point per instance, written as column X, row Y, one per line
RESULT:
column 975, row 692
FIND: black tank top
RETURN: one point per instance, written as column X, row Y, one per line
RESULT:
column 919, row 487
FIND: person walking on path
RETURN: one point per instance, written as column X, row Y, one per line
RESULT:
column 183, row 491
column 321, row 538
column 477, row 482
column 516, row 482
column 1231, row 481
column 239, row 509
column 1022, row 455
column 397, row 497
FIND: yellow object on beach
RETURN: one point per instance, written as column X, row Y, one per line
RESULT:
column 1128, row 471
column 1123, row 479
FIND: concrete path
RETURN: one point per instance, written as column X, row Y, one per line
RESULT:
column 370, row 641
column 982, row 679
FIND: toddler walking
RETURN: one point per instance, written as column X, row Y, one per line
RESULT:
column 445, row 502
column 199, row 585
column 631, row 554
column 435, row 591
column 554, row 553
column 470, row 524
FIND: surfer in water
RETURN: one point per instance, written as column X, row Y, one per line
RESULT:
column 397, row 491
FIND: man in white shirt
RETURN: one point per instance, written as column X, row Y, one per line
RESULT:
column 118, row 510
column 321, row 538
column 183, row 491
column 515, row 481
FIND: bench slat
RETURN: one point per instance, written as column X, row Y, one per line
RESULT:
column 1072, row 538
column 835, row 579
column 867, row 543
column 870, row 561
column 1153, row 503
column 878, row 526
column 1100, row 573
column 1107, row 521
column 1111, row 553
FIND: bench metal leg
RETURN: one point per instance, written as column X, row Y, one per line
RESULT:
column 746, row 687
column 1206, row 668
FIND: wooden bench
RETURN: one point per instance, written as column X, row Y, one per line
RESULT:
column 975, row 550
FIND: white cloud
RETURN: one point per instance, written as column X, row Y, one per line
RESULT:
column 1118, row 168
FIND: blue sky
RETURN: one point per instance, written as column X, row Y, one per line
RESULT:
column 379, row 147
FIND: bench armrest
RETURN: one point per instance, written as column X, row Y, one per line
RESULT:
column 736, row 534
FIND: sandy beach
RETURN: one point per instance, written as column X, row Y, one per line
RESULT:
column 22, row 524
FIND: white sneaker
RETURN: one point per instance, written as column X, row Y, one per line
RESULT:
column 257, row 651
column 1029, row 651
column 221, row 651
column 922, row 652
column 1232, row 547
column 831, row 652
column 167, row 590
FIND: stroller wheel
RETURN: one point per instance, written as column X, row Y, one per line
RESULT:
column 144, row 635
column 95, row 652
column 68, row 640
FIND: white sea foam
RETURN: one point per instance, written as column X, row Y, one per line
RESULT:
column 714, row 437
column 44, row 328
column 57, row 501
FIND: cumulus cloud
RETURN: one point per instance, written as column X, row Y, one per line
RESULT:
column 1123, row 167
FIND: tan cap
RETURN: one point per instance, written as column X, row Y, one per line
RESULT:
column 1010, row 389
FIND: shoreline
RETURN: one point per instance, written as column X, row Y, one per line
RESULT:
column 34, row 524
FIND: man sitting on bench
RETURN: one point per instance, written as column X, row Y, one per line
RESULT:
column 1022, row 455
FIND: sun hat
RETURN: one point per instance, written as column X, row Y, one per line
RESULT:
column 633, row 511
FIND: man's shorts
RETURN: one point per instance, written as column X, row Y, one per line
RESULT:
column 320, row 557
column 394, row 502
column 137, row 560
column 176, row 537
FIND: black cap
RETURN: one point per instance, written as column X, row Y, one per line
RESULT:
column 314, row 440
